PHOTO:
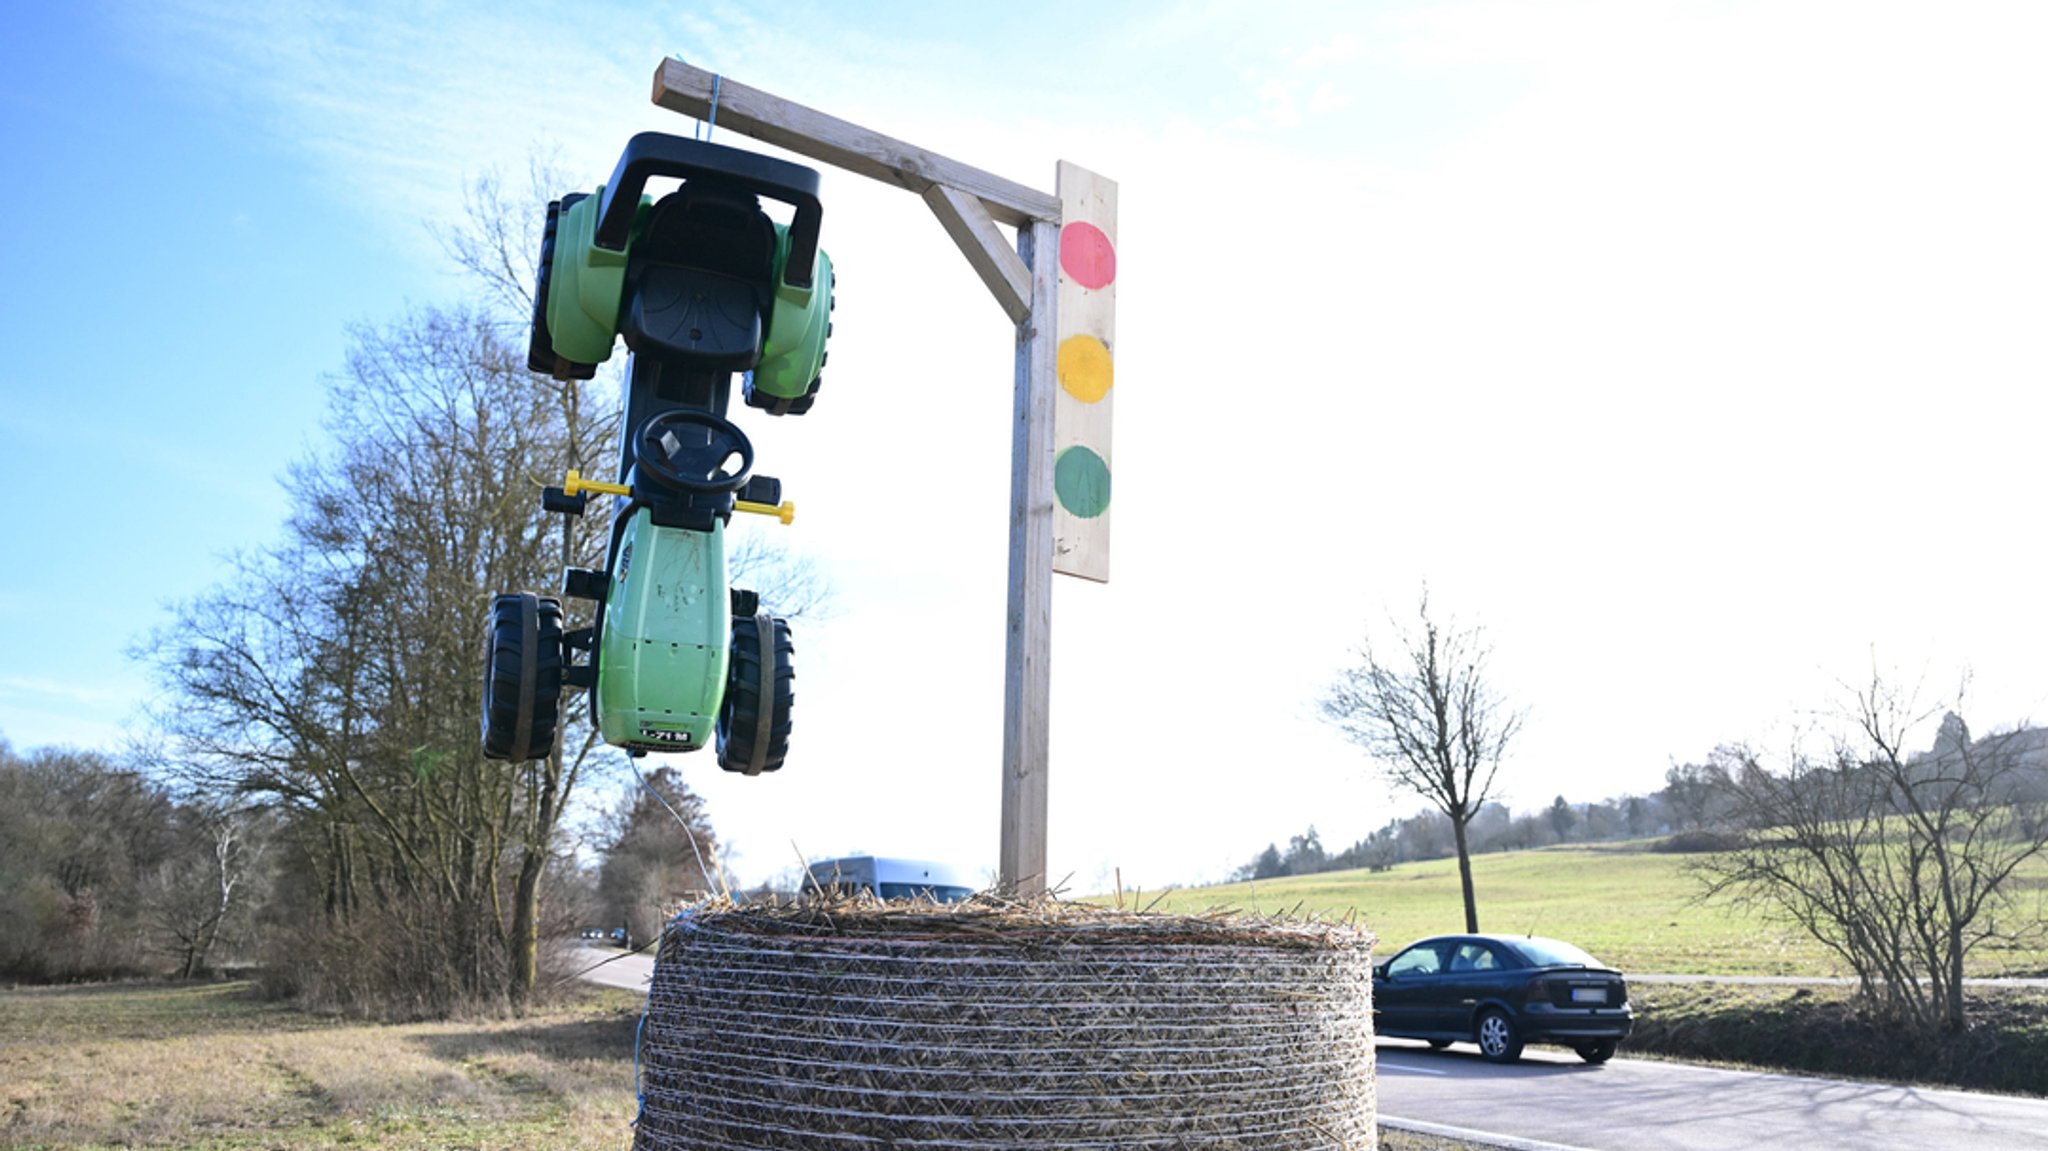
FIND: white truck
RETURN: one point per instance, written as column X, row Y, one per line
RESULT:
column 892, row 878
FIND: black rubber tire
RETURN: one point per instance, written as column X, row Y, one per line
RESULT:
column 797, row 405
column 780, row 405
column 1499, row 1041
column 522, row 703
column 540, row 345
column 1437, row 1044
column 756, row 640
column 1599, row 1051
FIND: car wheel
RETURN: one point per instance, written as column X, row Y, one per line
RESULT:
column 1598, row 1052
column 1437, row 1044
column 1498, row 1040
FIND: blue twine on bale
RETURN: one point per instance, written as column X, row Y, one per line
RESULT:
column 640, row 1091
column 646, row 1005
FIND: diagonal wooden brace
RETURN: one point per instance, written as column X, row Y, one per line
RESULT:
column 967, row 220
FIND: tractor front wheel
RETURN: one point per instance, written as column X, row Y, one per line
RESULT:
column 753, row 722
column 522, row 676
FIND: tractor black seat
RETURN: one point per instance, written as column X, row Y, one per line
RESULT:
column 702, row 279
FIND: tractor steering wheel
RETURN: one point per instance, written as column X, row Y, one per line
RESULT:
column 694, row 451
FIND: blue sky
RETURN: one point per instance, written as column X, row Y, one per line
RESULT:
column 1692, row 347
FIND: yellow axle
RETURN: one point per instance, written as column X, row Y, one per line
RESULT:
column 574, row 483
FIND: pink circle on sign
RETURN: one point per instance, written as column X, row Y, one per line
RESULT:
column 1086, row 255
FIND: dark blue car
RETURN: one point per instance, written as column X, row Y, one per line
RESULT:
column 1500, row 992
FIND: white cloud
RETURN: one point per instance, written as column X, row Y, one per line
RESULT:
column 1342, row 48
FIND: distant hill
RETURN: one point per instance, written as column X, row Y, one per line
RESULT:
column 1631, row 906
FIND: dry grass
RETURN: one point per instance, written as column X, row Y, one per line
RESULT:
column 208, row 1067
column 211, row 1068
column 1822, row 1030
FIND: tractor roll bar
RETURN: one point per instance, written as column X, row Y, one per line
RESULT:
column 652, row 154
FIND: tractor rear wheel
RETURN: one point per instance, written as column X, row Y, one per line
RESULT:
column 540, row 345
column 797, row 405
column 522, row 676
column 753, row 722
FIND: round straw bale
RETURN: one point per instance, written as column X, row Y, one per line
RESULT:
column 997, row 1025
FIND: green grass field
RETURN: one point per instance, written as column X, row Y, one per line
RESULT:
column 1632, row 907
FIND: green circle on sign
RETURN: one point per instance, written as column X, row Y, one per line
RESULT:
column 1081, row 480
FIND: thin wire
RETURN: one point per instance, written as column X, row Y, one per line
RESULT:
column 688, row 833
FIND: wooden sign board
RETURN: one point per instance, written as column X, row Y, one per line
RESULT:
column 1085, row 360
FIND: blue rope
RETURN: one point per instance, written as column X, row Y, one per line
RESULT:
column 639, row 1089
column 703, row 130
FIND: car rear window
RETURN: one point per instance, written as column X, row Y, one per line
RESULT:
column 935, row 892
column 1552, row 953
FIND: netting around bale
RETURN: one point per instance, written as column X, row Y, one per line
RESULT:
column 988, row 1025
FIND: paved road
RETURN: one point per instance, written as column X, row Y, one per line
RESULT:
column 1552, row 1100
column 612, row 967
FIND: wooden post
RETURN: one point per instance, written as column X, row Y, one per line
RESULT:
column 1027, row 674
column 969, row 204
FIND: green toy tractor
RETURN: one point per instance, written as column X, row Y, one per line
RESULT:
column 701, row 284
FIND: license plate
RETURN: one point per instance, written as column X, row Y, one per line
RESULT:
column 1589, row 995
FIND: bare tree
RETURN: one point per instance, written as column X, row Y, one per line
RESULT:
column 335, row 678
column 1690, row 795
column 1422, row 707
column 789, row 583
column 198, row 897
column 1896, row 862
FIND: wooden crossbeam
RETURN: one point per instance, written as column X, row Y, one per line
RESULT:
column 685, row 88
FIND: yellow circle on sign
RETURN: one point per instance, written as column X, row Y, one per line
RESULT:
column 1085, row 369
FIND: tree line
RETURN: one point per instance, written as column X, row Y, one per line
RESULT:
column 1495, row 827
column 110, row 871
column 107, row 872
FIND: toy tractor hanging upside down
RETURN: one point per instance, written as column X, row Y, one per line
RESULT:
column 701, row 284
